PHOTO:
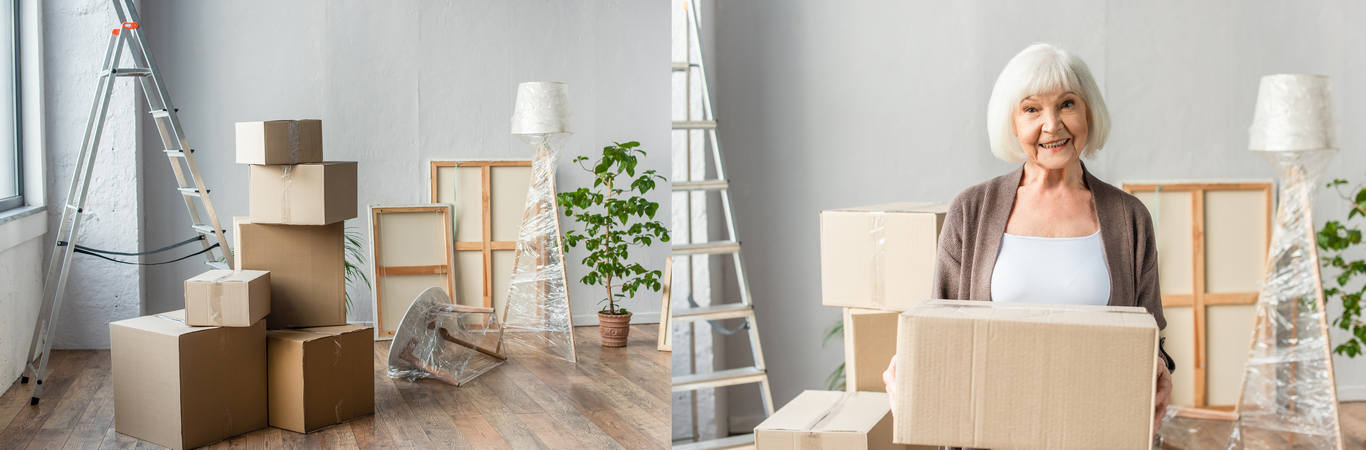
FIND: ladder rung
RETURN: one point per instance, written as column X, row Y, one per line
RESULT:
column 176, row 153
column 694, row 124
column 204, row 229
column 71, row 206
column 193, row 192
column 702, row 185
column 707, row 248
column 159, row 113
column 716, row 312
column 737, row 441
column 681, row 66
column 728, row 377
column 131, row 72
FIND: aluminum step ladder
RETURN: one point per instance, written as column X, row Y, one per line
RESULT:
column 744, row 309
column 178, row 151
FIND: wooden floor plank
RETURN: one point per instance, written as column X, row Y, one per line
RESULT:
column 532, row 401
column 24, row 427
column 621, row 430
column 97, row 418
column 64, row 416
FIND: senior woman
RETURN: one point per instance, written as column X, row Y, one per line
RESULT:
column 1049, row 231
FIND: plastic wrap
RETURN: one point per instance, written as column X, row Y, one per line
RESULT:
column 444, row 341
column 537, row 315
column 1293, row 112
column 1288, row 398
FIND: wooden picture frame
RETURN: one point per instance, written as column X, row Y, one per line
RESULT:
column 488, row 213
column 1212, row 239
column 407, row 259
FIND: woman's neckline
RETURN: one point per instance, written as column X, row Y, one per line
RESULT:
column 1044, row 238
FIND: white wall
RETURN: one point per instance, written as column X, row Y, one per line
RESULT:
column 398, row 84
column 22, row 230
column 75, row 36
column 834, row 104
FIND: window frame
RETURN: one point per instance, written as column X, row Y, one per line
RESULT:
column 16, row 201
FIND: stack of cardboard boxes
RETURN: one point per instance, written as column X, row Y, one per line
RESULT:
column 876, row 262
column 268, row 343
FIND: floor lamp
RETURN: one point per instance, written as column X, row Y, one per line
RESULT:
column 1289, row 395
column 537, row 314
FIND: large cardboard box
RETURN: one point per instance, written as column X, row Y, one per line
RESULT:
column 829, row 419
column 869, row 343
column 321, row 376
column 227, row 298
column 280, row 142
column 1010, row 375
column 880, row 256
column 181, row 386
column 302, row 194
column 307, row 272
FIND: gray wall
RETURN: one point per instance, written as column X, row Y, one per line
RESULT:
column 398, row 84
column 834, row 104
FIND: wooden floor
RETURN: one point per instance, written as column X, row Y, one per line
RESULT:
column 1203, row 434
column 613, row 398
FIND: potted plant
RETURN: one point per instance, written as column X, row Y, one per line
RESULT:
column 615, row 216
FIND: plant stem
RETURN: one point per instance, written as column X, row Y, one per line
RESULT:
column 607, row 231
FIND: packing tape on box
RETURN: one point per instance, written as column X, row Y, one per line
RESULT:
column 812, row 439
column 878, row 233
column 216, row 297
column 336, row 363
column 294, row 133
column 288, row 176
column 182, row 322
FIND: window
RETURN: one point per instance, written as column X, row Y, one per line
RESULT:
column 11, row 157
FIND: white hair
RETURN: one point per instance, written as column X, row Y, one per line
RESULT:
column 1043, row 68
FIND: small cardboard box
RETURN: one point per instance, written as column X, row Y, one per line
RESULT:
column 302, row 194
column 321, row 376
column 280, row 142
column 1010, row 375
column 227, row 298
column 307, row 272
column 869, row 343
column 829, row 419
column 181, row 386
column 880, row 256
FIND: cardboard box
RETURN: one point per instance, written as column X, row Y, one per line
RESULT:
column 1010, row 375
column 321, row 376
column 307, row 272
column 280, row 142
column 869, row 343
column 880, row 256
column 227, row 298
column 303, row 194
column 829, row 419
column 181, row 386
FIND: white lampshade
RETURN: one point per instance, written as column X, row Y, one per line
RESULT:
column 542, row 108
column 1294, row 113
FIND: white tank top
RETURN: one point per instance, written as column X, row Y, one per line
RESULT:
column 1069, row 271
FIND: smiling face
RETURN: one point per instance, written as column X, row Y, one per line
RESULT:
column 1051, row 127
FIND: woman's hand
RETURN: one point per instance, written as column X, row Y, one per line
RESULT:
column 1164, row 393
column 889, row 379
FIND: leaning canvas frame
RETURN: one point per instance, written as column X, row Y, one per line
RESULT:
column 1202, row 271
column 488, row 213
column 665, row 342
column 410, row 251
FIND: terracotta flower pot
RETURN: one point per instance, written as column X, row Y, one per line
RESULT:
column 614, row 329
